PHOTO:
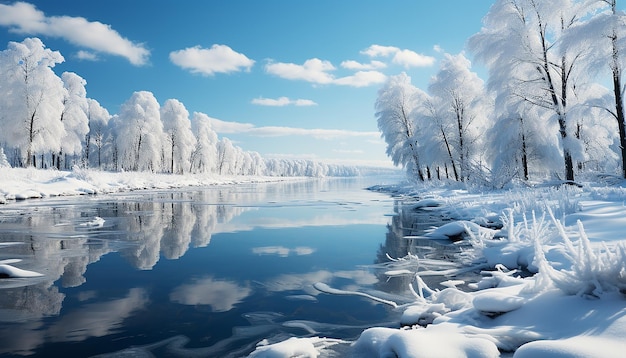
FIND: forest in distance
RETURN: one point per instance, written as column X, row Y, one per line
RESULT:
column 48, row 121
column 552, row 105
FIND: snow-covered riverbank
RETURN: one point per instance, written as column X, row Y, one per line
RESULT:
column 29, row 183
column 571, row 239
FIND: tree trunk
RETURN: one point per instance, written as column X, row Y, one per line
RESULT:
column 172, row 159
column 524, row 148
column 619, row 100
column 445, row 139
column 30, row 156
column 619, row 114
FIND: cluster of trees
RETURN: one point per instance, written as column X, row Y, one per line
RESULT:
column 48, row 121
column 552, row 104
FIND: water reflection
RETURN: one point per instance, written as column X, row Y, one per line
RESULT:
column 406, row 225
column 221, row 295
column 58, row 238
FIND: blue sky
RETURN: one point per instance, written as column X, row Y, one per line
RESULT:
column 286, row 78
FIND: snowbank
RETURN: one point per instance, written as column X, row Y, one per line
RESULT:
column 29, row 183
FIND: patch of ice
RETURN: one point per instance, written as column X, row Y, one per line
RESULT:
column 96, row 222
column 294, row 347
column 322, row 287
column 301, row 298
column 452, row 283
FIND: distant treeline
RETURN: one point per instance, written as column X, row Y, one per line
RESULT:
column 47, row 121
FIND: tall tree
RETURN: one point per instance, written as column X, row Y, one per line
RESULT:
column 521, row 39
column 601, row 39
column 394, row 104
column 98, row 118
column 226, row 156
column 32, row 99
column 180, row 138
column 140, row 133
column 74, row 116
column 204, row 155
column 459, row 97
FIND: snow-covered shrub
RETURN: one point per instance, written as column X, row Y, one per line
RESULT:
column 593, row 271
column 543, row 246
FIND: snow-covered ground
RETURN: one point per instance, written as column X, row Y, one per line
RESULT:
column 569, row 242
column 30, row 183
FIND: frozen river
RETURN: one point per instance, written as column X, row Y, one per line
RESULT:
column 196, row 272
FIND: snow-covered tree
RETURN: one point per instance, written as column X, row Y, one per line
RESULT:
column 98, row 118
column 4, row 163
column 520, row 41
column 461, row 103
column 204, row 156
column 74, row 116
column 226, row 156
column 180, row 138
column 140, row 133
column 31, row 100
column 395, row 102
column 601, row 41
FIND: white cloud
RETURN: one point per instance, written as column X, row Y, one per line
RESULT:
column 217, row 59
column 357, row 66
column 380, row 51
column 362, row 79
column 326, row 134
column 405, row 58
column 282, row 101
column 408, row 58
column 224, row 127
column 313, row 70
column 86, row 55
column 317, row 71
column 230, row 127
column 24, row 18
column 304, row 102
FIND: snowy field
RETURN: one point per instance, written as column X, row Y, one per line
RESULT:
column 553, row 262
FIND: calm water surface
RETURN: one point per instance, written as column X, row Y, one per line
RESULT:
column 196, row 272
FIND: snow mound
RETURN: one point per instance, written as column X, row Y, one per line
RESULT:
column 427, row 203
column 9, row 271
column 417, row 343
column 580, row 346
column 455, row 230
column 496, row 302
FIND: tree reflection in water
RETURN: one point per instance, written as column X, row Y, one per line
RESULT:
column 62, row 237
column 403, row 238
